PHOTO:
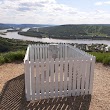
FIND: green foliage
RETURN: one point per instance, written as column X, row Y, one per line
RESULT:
column 7, row 45
column 12, row 56
column 77, row 31
column 32, row 33
column 2, row 60
column 102, row 57
column 13, row 50
column 106, row 61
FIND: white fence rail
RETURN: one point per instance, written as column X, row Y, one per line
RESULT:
column 69, row 73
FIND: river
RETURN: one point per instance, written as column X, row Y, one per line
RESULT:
column 15, row 35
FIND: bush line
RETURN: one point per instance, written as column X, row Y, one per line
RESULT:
column 102, row 57
column 12, row 56
column 19, row 56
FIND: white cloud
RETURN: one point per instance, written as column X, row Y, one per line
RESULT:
column 102, row 3
column 48, row 12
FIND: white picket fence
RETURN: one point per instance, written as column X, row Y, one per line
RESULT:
column 57, row 71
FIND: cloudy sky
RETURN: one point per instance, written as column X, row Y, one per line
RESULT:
column 55, row 11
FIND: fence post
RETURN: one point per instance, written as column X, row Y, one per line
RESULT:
column 91, row 74
column 27, row 80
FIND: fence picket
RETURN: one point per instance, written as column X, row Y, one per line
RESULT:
column 32, row 79
column 83, row 75
column 61, row 51
column 79, row 76
column 65, row 51
column 74, row 76
column 52, row 78
column 42, row 78
column 45, row 52
column 47, row 78
column 91, row 75
column 70, row 77
column 31, row 53
column 40, row 50
column 65, row 76
column 87, row 76
column 61, row 77
column 27, row 80
column 56, row 77
column 37, row 80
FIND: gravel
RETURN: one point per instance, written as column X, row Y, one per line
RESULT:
column 12, row 84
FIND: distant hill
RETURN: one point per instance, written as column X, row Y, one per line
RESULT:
column 5, row 26
column 84, row 31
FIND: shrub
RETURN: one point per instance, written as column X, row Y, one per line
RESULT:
column 106, row 61
column 102, row 57
column 12, row 56
column 2, row 60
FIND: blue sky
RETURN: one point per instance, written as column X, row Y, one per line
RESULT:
column 55, row 11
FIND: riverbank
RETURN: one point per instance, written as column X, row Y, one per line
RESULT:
column 15, row 35
column 13, row 97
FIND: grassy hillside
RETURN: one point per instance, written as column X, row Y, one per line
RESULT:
column 12, row 50
column 7, row 45
column 78, row 31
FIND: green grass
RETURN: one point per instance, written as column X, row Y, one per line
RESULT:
column 12, row 57
column 102, row 57
column 19, row 56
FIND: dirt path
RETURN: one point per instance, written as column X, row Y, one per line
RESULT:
column 101, row 88
column 10, row 71
column 100, row 99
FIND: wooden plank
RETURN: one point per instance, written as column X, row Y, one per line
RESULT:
column 46, row 52
column 75, row 63
column 70, row 77
column 35, row 52
column 91, row 75
column 31, row 53
column 43, row 52
column 61, row 77
column 79, row 69
column 61, row 51
column 87, row 77
column 27, row 80
column 32, row 79
column 42, row 79
column 58, row 51
column 27, row 54
column 83, row 66
column 56, row 77
column 52, row 78
column 47, row 78
column 65, row 77
column 65, row 51
column 37, row 80
column 40, row 50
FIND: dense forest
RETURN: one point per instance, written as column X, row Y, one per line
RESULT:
column 7, row 45
column 95, row 32
column 78, row 31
